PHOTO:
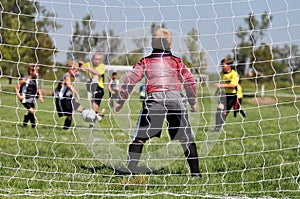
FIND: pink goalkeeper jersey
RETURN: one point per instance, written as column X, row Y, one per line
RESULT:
column 163, row 72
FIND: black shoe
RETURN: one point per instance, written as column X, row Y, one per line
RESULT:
column 124, row 173
column 244, row 113
column 128, row 172
column 92, row 124
column 33, row 125
column 66, row 128
column 100, row 115
column 67, row 124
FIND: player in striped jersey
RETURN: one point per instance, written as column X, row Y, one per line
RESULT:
column 28, row 91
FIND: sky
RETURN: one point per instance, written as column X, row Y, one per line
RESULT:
column 215, row 20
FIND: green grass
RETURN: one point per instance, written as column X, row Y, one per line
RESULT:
column 253, row 157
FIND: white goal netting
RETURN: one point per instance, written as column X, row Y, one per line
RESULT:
column 254, row 155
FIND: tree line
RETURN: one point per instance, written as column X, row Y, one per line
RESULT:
column 24, row 39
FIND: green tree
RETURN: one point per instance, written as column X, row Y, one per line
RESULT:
column 83, row 40
column 250, row 38
column 277, row 65
column 263, row 64
column 287, row 61
column 129, row 59
column 111, row 44
column 24, row 37
column 140, row 43
column 195, row 54
column 135, row 55
column 287, row 56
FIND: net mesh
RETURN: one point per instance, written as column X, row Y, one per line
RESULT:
column 256, row 156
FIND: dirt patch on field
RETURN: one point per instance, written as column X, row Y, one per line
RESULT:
column 47, row 92
column 262, row 100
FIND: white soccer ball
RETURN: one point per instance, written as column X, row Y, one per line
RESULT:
column 89, row 115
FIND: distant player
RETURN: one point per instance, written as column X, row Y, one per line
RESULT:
column 165, row 75
column 113, row 88
column 227, row 97
column 65, row 101
column 28, row 91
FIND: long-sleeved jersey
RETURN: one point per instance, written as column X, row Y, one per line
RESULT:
column 163, row 72
column 230, row 78
column 94, row 78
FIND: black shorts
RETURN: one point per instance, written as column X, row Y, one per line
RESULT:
column 114, row 96
column 64, row 106
column 28, row 105
column 228, row 100
column 157, row 107
column 98, row 94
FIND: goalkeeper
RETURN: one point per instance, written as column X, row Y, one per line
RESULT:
column 165, row 75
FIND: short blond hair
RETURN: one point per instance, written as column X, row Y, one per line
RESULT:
column 72, row 64
column 97, row 54
column 162, row 39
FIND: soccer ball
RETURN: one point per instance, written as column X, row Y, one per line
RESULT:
column 89, row 115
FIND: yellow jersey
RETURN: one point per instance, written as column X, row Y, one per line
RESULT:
column 230, row 78
column 94, row 78
column 239, row 92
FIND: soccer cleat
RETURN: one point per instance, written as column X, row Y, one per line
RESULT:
column 129, row 172
column 126, row 172
column 99, row 118
column 100, row 115
column 244, row 113
column 66, row 128
column 92, row 124
column 67, row 124
column 102, row 111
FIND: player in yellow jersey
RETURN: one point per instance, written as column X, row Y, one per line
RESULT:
column 228, row 85
column 95, row 83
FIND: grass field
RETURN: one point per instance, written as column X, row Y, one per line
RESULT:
column 253, row 157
